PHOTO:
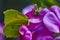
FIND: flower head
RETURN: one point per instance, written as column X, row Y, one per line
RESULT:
column 42, row 26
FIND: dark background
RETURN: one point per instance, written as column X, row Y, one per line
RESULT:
column 12, row 4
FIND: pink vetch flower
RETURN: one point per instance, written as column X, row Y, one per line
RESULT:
column 2, row 37
column 42, row 26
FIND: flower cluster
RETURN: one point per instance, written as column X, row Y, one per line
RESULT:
column 43, row 26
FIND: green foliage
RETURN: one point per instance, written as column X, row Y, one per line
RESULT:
column 56, row 35
column 43, row 3
column 38, row 2
column 49, row 3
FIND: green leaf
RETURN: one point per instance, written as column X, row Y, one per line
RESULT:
column 13, row 19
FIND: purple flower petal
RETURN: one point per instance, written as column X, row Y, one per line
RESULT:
column 32, row 26
column 41, row 31
column 1, row 27
column 43, row 12
column 57, row 38
column 56, row 11
column 25, row 32
column 2, row 24
column 2, row 37
column 45, row 38
column 27, row 9
column 20, row 37
column 27, row 35
column 34, row 20
column 41, row 27
column 1, row 30
column 51, row 22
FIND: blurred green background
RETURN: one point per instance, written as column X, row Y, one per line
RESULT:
column 13, row 4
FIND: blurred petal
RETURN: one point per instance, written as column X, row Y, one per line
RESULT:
column 34, row 20
column 45, row 38
column 1, row 30
column 1, row 27
column 2, row 37
column 56, row 10
column 23, row 29
column 41, row 31
column 43, row 12
column 57, row 38
column 20, row 37
column 30, row 15
column 28, row 9
column 2, row 24
column 41, row 27
column 51, row 22
column 32, row 26
column 25, row 32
